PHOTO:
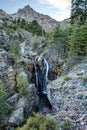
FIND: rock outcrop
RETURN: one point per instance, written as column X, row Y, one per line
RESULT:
column 23, row 107
column 3, row 63
column 68, row 96
column 4, row 15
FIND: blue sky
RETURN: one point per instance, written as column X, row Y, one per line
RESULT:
column 57, row 9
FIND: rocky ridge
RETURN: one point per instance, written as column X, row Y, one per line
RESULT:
column 28, row 14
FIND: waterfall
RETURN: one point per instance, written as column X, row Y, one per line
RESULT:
column 41, row 76
column 46, row 68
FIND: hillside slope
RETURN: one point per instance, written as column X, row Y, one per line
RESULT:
column 68, row 96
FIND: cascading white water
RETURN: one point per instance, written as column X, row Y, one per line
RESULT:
column 41, row 76
column 46, row 68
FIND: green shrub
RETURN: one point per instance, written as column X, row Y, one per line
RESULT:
column 39, row 122
column 67, row 124
column 49, row 81
column 5, row 107
column 26, row 67
column 9, row 32
column 32, row 27
column 35, row 42
column 14, row 53
column 67, row 78
column 22, row 85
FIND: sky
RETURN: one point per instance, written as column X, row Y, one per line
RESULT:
column 57, row 9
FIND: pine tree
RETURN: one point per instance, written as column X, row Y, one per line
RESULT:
column 78, row 11
column 78, row 32
column 78, row 40
column 58, row 40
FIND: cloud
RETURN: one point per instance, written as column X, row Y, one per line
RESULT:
column 61, row 15
column 60, row 4
column 63, row 7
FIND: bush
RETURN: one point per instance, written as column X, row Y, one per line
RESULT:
column 22, row 85
column 4, row 105
column 67, row 124
column 35, row 42
column 67, row 78
column 39, row 122
column 14, row 53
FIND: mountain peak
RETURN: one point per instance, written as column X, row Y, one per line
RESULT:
column 26, row 8
column 29, row 14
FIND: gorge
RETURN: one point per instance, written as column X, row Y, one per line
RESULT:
column 62, row 78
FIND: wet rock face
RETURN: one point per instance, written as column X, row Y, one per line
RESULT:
column 55, row 63
column 55, row 72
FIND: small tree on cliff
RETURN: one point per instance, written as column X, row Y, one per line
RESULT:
column 4, row 105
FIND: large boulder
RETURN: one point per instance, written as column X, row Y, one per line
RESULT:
column 17, row 117
column 54, row 93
